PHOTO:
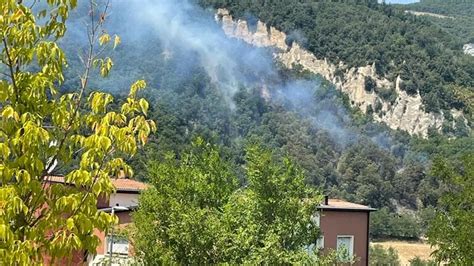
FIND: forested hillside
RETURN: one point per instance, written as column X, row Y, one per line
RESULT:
column 342, row 151
column 458, row 17
column 428, row 58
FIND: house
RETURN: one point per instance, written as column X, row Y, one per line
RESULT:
column 121, row 203
column 344, row 225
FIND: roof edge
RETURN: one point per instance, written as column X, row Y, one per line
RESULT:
column 109, row 209
column 331, row 208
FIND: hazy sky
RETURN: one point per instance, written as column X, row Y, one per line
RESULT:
column 400, row 1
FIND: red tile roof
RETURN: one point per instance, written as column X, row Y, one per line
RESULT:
column 128, row 184
column 120, row 184
column 337, row 204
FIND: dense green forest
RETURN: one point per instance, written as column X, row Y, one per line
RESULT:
column 458, row 22
column 341, row 150
column 428, row 58
column 383, row 168
column 459, row 19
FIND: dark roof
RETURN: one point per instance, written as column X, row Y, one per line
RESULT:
column 120, row 184
column 337, row 204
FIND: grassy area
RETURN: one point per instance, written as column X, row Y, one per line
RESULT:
column 407, row 249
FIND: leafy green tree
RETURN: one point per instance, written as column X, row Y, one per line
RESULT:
column 43, row 129
column 407, row 182
column 451, row 230
column 196, row 214
column 179, row 218
column 381, row 256
column 367, row 172
column 385, row 224
column 269, row 221
column 369, row 84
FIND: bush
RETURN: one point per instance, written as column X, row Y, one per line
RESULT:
column 409, row 86
column 380, row 256
column 369, row 84
column 417, row 261
column 388, row 94
column 384, row 224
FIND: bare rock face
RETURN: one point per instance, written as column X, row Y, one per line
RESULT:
column 262, row 37
column 417, row 13
column 469, row 49
column 406, row 113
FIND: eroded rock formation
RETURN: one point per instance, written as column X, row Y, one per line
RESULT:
column 405, row 113
column 469, row 49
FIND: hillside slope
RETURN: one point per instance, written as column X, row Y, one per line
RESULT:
column 460, row 14
column 398, row 110
column 203, row 83
column 408, row 76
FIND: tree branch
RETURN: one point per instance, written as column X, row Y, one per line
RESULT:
column 10, row 66
column 84, row 81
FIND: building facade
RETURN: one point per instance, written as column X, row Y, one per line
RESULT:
column 345, row 225
column 122, row 203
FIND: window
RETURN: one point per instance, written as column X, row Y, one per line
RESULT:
column 345, row 247
column 316, row 218
column 320, row 242
column 119, row 245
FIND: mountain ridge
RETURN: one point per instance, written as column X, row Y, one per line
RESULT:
column 425, row 60
column 406, row 113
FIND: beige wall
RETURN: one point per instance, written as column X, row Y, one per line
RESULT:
column 124, row 199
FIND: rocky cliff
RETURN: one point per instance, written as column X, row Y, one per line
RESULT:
column 469, row 49
column 405, row 113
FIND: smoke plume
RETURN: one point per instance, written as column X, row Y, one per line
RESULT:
column 188, row 36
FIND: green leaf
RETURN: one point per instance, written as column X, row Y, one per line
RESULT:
column 117, row 41
column 137, row 86
column 143, row 105
column 104, row 39
column 70, row 223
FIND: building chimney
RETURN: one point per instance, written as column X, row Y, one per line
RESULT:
column 326, row 200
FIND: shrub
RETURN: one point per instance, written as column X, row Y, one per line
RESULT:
column 380, row 256
column 417, row 261
column 369, row 84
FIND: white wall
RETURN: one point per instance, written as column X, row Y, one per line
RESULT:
column 123, row 199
